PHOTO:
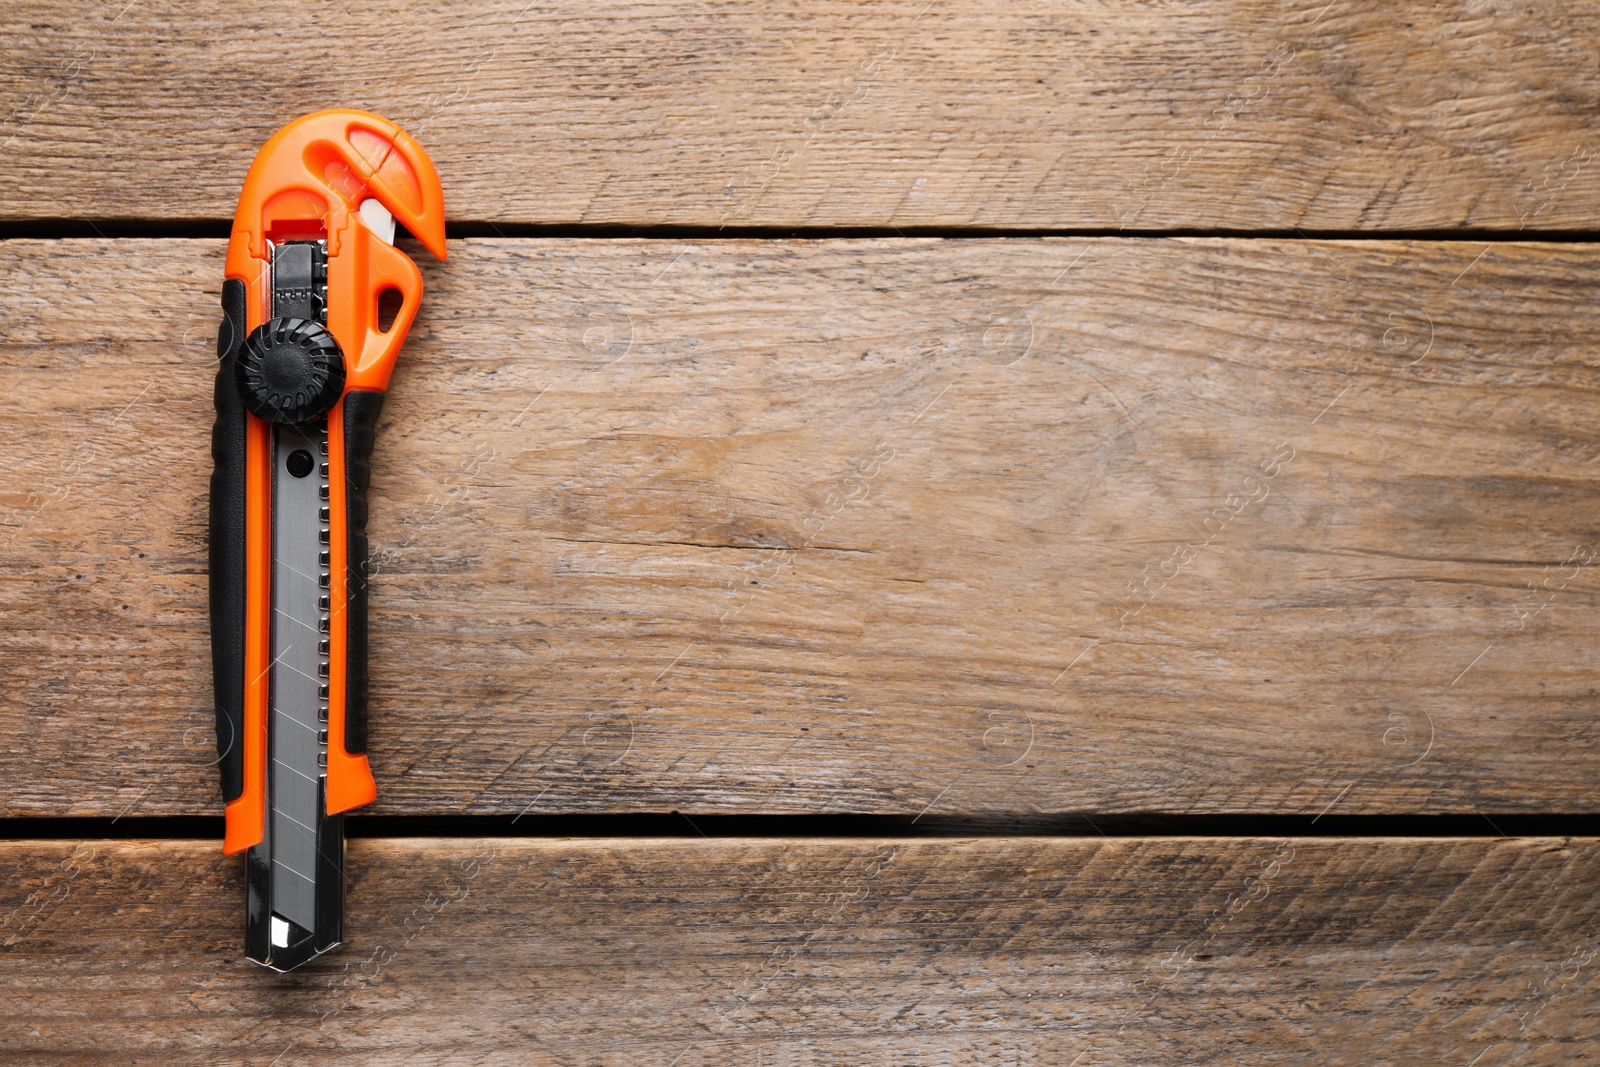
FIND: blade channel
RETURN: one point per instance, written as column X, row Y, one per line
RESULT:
column 298, row 730
column 296, row 874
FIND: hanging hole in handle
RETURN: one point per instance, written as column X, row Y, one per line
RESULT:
column 389, row 303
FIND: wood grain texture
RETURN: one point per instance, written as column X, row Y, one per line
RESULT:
column 686, row 953
column 873, row 526
column 1342, row 115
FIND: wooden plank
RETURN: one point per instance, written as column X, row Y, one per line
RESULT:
column 873, row 526
column 911, row 951
column 1317, row 115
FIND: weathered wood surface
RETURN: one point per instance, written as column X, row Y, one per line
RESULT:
column 689, row 953
column 874, row 526
column 1094, row 114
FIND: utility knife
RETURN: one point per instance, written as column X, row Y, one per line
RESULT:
column 305, row 359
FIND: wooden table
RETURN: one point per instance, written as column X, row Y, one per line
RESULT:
column 924, row 533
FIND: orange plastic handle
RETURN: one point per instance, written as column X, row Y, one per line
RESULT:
column 308, row 182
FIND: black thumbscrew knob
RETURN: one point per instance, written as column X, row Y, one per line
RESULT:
column 290, row 371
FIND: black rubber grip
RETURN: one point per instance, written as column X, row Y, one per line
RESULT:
column 361, row 410
column 227, row 546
